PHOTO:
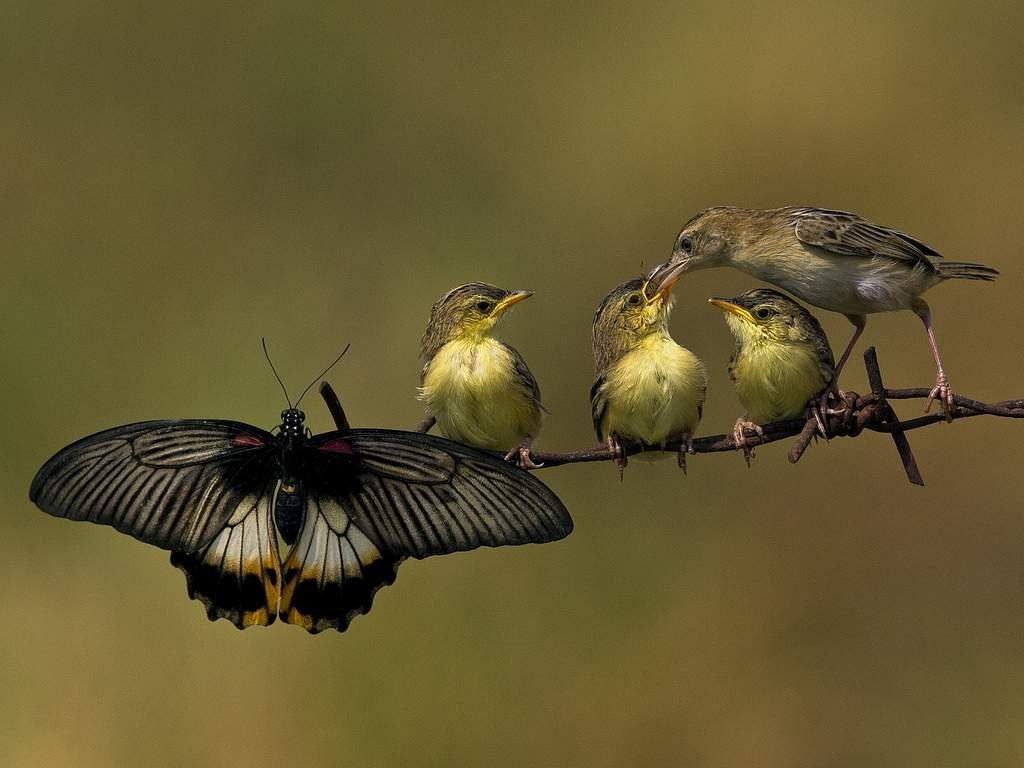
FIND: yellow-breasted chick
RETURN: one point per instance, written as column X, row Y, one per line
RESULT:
column 781, row 360
column 478, row 389
column 648, row 389
column 832, row 259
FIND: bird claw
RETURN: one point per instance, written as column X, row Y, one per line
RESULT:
column 618, row 455
column 819, row 409
column 943, row 393
column 520, row 456
column 825, row 408
column 685, row 447
column 741, row 439
column 822, row 428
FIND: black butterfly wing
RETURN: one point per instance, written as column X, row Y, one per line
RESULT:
column 423, row 495
column 375, row 496
column 174, row 484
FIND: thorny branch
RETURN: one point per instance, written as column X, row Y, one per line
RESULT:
column 872, row 412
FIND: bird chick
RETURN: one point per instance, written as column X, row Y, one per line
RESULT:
column 648, row 389
column 781, row 360
column 478, row 389
column 831, row 259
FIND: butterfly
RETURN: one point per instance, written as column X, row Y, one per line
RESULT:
column 291, row 525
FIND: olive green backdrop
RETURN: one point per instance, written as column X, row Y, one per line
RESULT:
column 178, row 180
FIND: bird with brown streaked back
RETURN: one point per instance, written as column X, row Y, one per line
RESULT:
column 781, row 361
column 832, row 259
column 479, row 390
column 649, row 389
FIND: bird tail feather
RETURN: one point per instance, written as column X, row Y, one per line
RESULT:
column 963, row 270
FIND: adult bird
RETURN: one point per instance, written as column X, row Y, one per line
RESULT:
column 781, row 360
column 648, row 389
column 478, row 390
column 832, row 259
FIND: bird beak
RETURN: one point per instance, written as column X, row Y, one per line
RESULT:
column 732, row 308
column 661, row 280
column 513, row 298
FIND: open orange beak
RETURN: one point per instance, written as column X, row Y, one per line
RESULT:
column 662, row 280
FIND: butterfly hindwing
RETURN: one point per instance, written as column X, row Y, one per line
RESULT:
column 237, row 575
column 173, row 484
column 333, row 570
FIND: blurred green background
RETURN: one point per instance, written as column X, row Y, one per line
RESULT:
column 178, row 179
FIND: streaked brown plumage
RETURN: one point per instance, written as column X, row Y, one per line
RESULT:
column 832, row 259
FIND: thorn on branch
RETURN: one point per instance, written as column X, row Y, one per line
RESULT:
column 889, row 417
column 803, row 440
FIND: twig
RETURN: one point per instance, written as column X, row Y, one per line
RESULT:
column 871, row 412
column 334, row 406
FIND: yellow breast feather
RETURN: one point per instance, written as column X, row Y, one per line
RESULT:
column 775, row 381
column 472, row 389
column 654, row 392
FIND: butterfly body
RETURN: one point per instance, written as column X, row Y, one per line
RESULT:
column 350, row 506
column 289, row 508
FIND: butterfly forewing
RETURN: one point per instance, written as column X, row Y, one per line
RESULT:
column 170, row 483
column 422, row 495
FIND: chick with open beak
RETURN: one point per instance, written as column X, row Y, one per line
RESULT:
column 477, row 389
column 649, row 389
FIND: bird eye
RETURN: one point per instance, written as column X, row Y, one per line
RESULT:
column 686, row 245
column 763, row 313
column 484, row 306
column 634, row 300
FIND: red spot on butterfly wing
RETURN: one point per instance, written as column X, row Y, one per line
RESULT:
column 337, row 445
column 247, row 441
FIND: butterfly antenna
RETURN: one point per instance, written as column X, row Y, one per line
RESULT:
column 324, row 373
column 267, row 355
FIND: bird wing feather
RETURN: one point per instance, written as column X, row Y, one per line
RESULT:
column 598, row 404
column 737, row 348
column 524, row 376
column 850, row 235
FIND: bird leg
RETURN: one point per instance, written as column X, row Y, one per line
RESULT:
column 941, row 391
column 618, row 455
column 520, row 455
column 685, row 447
column 833, row 390
column 741, row 439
